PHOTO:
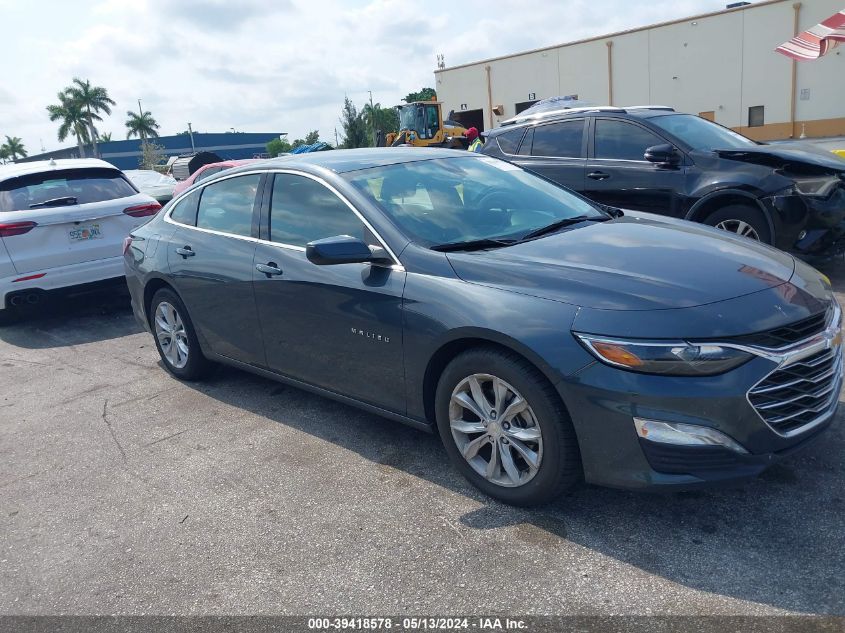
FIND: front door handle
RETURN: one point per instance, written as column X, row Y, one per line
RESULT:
column 186, row 252
column 598, row 175
column 270, row 269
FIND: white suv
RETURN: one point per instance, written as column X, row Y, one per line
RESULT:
column 62, row 224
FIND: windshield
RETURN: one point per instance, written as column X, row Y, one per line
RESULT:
column 447, row 200
column 148, row 178
column 411, row 118
column 700, row 133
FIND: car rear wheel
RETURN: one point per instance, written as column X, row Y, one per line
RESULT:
column 742, row 220
column 175, row 337
column 505, row 428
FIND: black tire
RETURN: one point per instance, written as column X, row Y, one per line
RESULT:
column 197, row 366
column 560, row 465
column 734, row 213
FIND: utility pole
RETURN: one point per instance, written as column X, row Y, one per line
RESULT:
column 336, row 142
column 191, row 134
column 141, row 112
column 372, row 117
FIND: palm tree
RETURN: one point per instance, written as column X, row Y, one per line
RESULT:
column 377, row 118
column 73, row 118
column 141, row 125
column 4, row 154
column 14, row 147
column 105, row 138
column 92, row 99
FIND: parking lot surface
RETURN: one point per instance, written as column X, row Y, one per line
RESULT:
column 124, row 491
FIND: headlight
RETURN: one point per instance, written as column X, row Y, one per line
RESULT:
column 675, row 358
column 816, row 185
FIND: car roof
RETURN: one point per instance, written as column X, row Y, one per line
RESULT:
column 345, row 160
column 637, row 112
column 40, row 166
column 231, row 163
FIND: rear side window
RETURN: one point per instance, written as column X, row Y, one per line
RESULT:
column 227, row 205
column 620, row 140
column 509, row 141
column 63, row 187
column 303, row 210
column 558, row 139
column 185, row 211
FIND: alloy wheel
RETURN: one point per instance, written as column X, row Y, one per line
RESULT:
column 495, row 430
column 171, row 334
column 740, row 228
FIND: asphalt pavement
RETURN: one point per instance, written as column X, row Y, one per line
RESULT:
column 125, row 491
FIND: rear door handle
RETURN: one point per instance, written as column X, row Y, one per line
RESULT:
column 270, row 269
column 185, row 252
column 598, row 175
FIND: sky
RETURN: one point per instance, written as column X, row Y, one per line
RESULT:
column 271, row 65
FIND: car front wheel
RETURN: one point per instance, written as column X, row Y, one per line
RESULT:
column 505, row 428
column 175, row 337
column 742, row 220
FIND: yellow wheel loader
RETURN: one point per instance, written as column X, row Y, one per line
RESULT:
column 421, row 124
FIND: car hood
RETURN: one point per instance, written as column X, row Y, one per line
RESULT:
column 630, row 264
column 786, row 155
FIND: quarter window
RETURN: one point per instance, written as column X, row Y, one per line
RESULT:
column 509, row 141
column 185, row 211
column 208, row 172
column 558, row 139
column 620, row 140
column 227, row 205
column 303, row 210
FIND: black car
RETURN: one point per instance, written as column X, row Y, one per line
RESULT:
column 653, row 159
column 544, row 338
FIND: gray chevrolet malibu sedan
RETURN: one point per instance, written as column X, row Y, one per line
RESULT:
column 545, row 338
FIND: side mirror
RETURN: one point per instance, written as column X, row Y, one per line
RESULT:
column 664, row 154
column 341, row 249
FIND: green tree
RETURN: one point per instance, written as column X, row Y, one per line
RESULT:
column 4, row 154
column 354, row 129
column 278, row 146
column 105, row 138
column 312, row 137
column 73, row 120
column 93, row 100
column 14, row 147
column 381, row 119
column 425, row 94
column 151, row 155
column 142, row 125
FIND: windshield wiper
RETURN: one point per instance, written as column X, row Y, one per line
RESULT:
column 554, row 226
column 55, row 202
column 472, row 245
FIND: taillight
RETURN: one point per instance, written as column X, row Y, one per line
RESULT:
column 143, row 210
column 8, row 229
column 127, row 242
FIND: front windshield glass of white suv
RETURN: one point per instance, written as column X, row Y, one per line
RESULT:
column 449, row 200
column 700, row 133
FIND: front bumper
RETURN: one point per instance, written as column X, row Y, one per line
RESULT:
column 810, row 226
column 603, row 402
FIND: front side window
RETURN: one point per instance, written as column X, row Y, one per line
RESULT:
column 558, row 139
column 437, row 201
column 63, row 187
column 303, row 210
column 227, row 205
column 620, row 140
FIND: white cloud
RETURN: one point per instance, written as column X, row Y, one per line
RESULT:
column 279, row 66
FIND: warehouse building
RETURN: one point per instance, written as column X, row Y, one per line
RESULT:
column 720, row 65
column 127, row 154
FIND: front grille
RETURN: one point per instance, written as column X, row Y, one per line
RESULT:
column 787, row 334
column 800, row 393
